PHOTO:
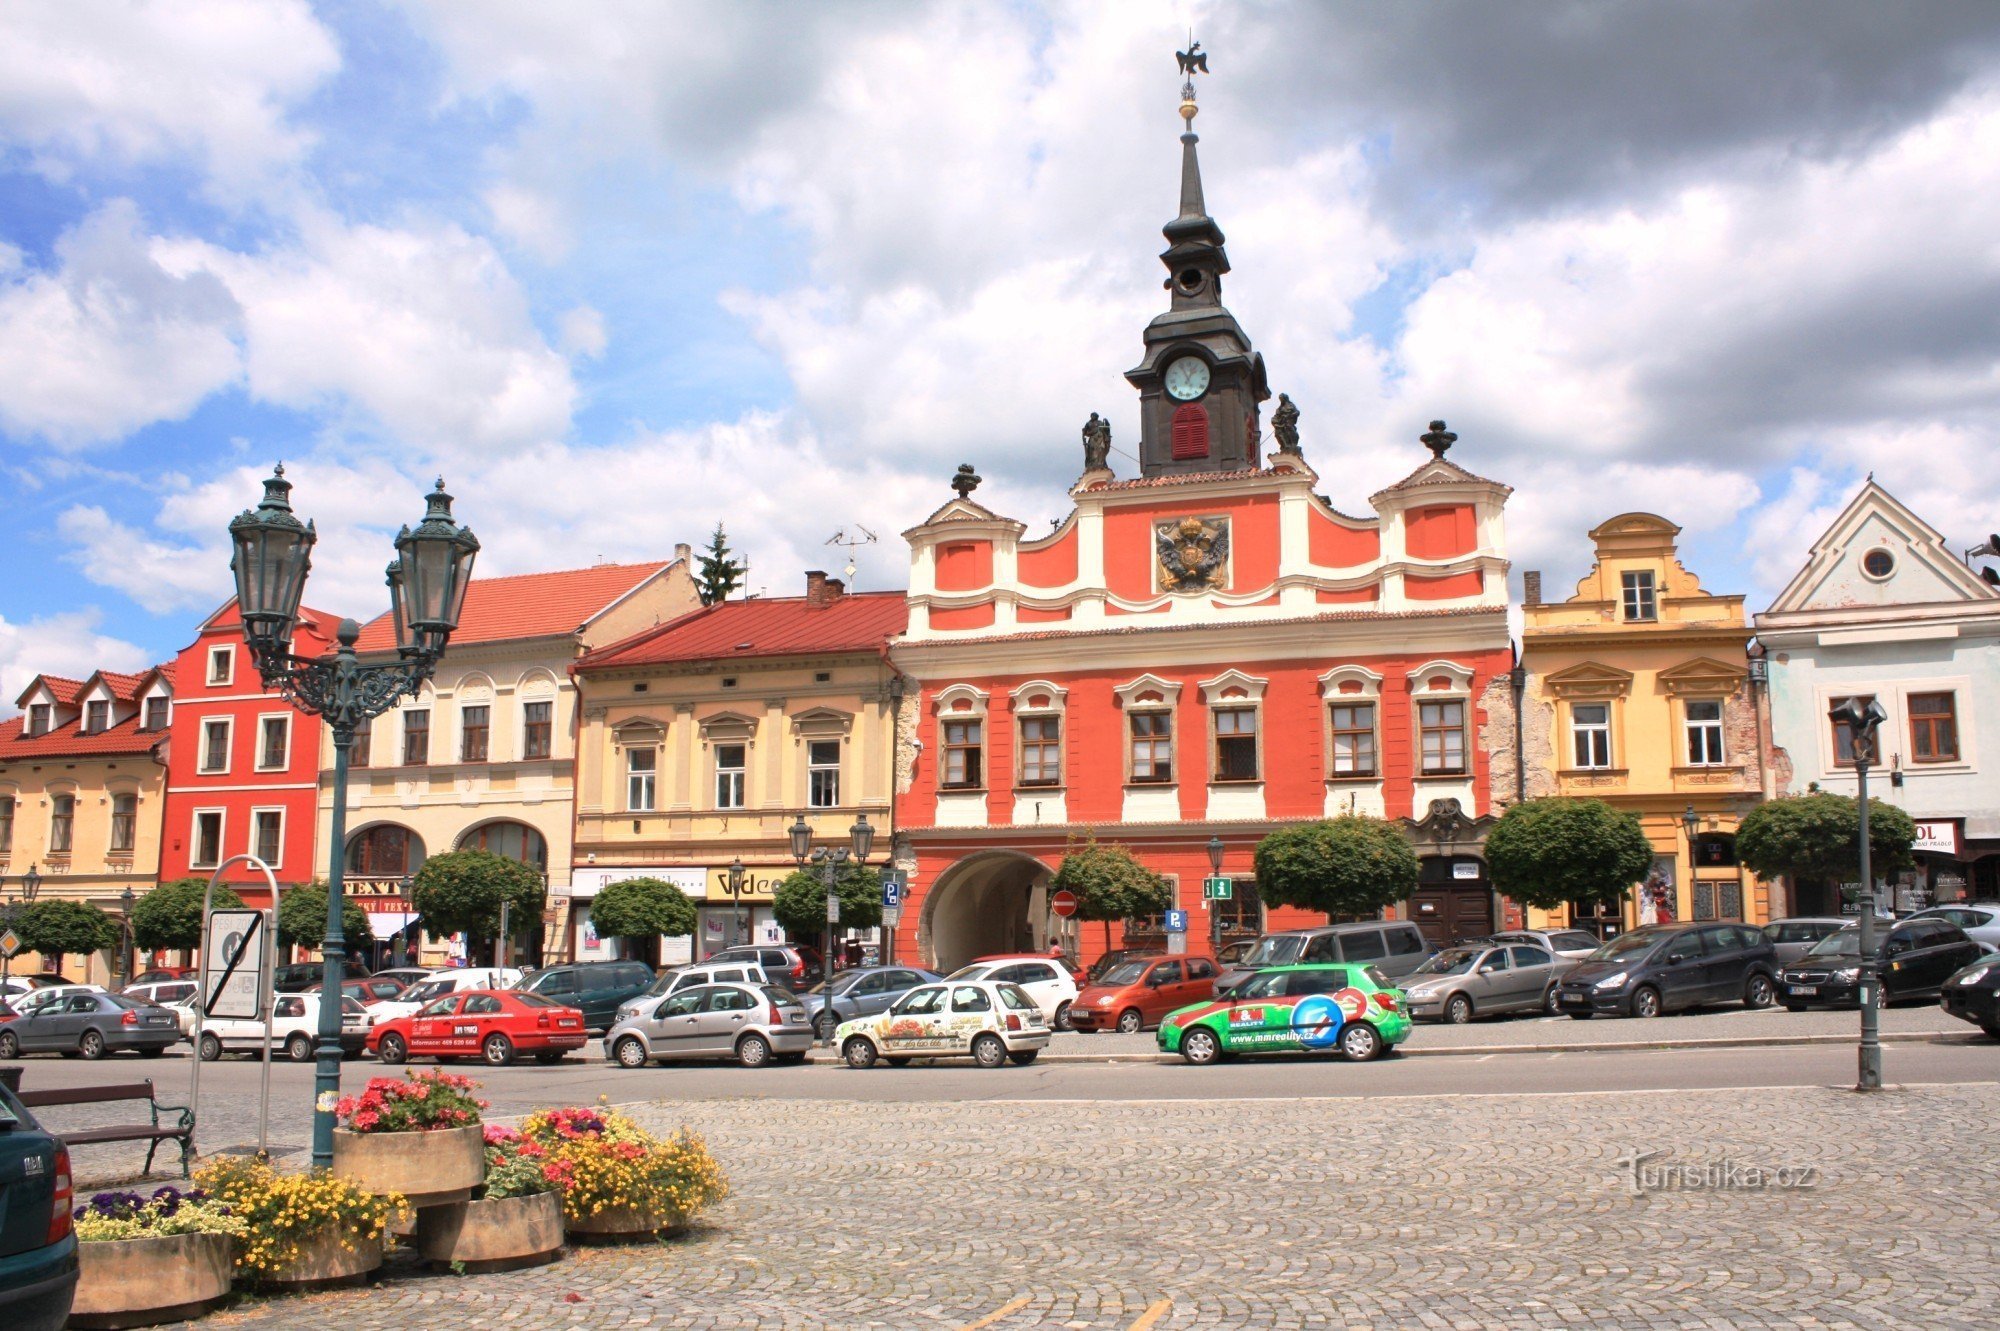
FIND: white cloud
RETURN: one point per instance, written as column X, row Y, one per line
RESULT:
column 68, row 644
column 580, row 333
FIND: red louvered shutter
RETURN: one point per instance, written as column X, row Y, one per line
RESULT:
column 1190, row 432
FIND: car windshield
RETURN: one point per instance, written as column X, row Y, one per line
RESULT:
column 1277, row 950
column 1625, row 947
column 428, row 990
column 120, row 1001
column 1125, row 972
column 782, row 997
column 534, row 1000
column 1017, row 998
column 1846, row 943
column 969, row 973
column 1377, row 978
column 660, row 985
column 1451, row 961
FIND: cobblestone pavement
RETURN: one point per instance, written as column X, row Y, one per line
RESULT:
column 1443, row 1212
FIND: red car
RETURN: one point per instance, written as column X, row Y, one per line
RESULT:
column 490, row 1024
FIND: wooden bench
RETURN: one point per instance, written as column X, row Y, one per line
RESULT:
column 180, row 1129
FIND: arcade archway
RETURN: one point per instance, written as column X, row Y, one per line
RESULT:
column 991, row 902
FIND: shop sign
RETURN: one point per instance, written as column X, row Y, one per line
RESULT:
column 760, row 882
column 1937, row 837
column 589, row 882
column 376, row 894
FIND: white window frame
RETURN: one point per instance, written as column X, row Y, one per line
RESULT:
column 226, row 655
column 257, row 759
column 69, row 849
column 250, row 844
column 111, row 798
column 194, row 838
column 650, row 776
column 816, row 769
column 526, row 703
column 1590, row 748
column 1690, row 727
column 1629, row 583
column 741, row 774
column 166, row 701
column 13, row 803
column 228, row 723
column 110, row 716
column 463, row 708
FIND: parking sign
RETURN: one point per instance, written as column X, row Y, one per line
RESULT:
column 232, row 964
column 1177, row 921
column 892, row 888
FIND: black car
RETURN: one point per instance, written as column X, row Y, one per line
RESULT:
column 1670, row 967
column 38, row 1262
column 1974, row 994
column 1913, row 957
column 790, row 966
column 595, row 988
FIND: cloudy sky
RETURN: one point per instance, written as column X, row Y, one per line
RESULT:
column 621, row 270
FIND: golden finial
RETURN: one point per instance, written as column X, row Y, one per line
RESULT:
column 1193, row 60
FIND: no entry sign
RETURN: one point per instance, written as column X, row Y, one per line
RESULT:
column 1063, row 903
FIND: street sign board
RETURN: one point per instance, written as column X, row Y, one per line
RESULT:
column 1218, row 889
column 891, row 916
column 232, row 964
column 833, row 910
column 1177, row 921
column 1177, row 945
column 892, row 888
column 1063, row 903
column 10, row 944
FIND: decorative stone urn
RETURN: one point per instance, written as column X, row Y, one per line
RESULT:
column 495, row 1234
column 324, row 1261
column 426, row 1168
column 143, row 1282
column 624, row 1224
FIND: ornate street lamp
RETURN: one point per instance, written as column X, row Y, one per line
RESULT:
column 126, row 899
column 427, row 582
column 1215, row 849
column 31, row 883
column 802, row 839
column 736, row 876
column 1861, row 719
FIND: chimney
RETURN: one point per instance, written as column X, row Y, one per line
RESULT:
column 684, row 552
column 820, row 589
column 1531, row 587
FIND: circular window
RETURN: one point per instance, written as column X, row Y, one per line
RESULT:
column 1878, row 563
column 1190, row 280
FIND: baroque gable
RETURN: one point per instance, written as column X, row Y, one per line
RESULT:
column 1879, row 553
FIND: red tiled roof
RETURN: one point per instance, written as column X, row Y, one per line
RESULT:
column 70, row 741
column 66, row 691
column 527, row 605
column 123, row 687
column 764, row 626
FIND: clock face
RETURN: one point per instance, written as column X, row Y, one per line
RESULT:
column 1187, row 378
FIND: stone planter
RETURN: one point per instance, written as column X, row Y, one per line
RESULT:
column 323, row 1261
column 427, row 1168
column 624, row 1224
column 143, row 1282
column 496, row 1234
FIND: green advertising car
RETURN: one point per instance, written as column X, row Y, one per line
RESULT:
column 1352, row 1010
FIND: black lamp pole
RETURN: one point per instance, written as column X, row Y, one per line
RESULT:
column 1215, row 849
column 1861, row 720
column 861, row 840
column 427, row 582
column 126, row 899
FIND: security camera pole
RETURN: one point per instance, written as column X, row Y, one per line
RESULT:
column 1861, row 720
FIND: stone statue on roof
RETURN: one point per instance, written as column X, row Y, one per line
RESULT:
column 1096, row 443
column 1285, row 425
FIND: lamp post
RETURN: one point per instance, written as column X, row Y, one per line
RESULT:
column 427, row 582
column 735, row 881
column 1691, row 822
column 1215, row 849
column 126, row 900
column 1861, row 719
column 861, row 840
column 31, row 887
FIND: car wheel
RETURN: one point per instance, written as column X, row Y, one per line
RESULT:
column 1758, row 992
column 1552, row 1002
column 10, row 1046
column 1645, row 1002
column 392, row 1050
column 1360, row 1042
column 859, row 1052
column 824, row 1025
column 989, row 1050
column 1200, row 1047
column 497, row 1050
column 1458, row 1010
column 1025, row 1057
column 1131, row 1022
column 753, row 1051
column 630, row 1052
column 91, row 1045
column 299, row 1048
column 211, row 1048
column 1062, row 1017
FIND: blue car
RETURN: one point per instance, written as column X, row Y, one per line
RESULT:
column 37, row 1247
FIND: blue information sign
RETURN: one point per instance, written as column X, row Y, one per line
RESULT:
column 1176, row 921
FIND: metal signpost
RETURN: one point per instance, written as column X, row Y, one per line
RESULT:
column 227, row 983
column 1176, row 925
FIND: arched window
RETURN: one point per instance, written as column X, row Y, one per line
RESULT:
column 1190, row 431
column 384, row 851
column 517, row 841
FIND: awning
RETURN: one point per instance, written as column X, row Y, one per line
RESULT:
column 387, row 924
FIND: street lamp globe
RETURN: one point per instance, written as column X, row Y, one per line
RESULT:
column 31, row 883
column 736, row 877
column 1692, row 822
column 432, row 570
column 1215, row 849
column 861, row 837
column 273, row 551
column 802, row 839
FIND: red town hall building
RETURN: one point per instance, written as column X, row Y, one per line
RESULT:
column 1209, row 649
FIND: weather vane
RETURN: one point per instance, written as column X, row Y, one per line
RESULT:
column 1193, row 60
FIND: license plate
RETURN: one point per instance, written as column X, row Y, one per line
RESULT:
column 1803, row 988
column 566, row 1021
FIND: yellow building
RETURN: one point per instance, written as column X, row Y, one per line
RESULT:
column 701, row 742
column 1638, row 694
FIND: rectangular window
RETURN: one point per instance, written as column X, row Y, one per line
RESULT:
column 124, row 823
column 274, row 743
column 362, row 750
column 207, row 850
column 1441, row 734
column 38, row 719
column 823, row 773
column 416, row 737
column 1934, row 727
column 1236, row 744
column 1640, row 604
column 537, row 729
column 221, row 664
column 1704, row 729
column 62, row 823
column 6, row 823
column 964, row 751
column 156, row 713
column 474, row 723
column 1242, row 916
column 1041, row 750
column 96, row 716
column 1153, row 747
column 215, row 746
column 731, row 764
column 1843, row 736
column 267, row 835
column 641, row 769
column 1590, row 733
column 1354, row 739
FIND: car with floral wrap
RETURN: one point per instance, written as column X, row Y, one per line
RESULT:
column 989, row 1021
column 1351, row 1010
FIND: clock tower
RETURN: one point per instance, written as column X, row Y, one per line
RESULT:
column 1201, row 382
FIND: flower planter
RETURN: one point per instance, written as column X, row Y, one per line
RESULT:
column 624, row 1224
column 143, row 1282
column 426, row 1168
column 497, row 1234
column 325, row 1260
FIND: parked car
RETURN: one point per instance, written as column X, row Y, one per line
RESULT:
column 861, row 993
column 751, row 1023
column 1485, row 980
column 495, row 1025
column 34, row 999
column 1914, row 958
column 294, row 1029
column 1979, row 920
column 1232, row 953
column 436, row 984
column 677, row 978
column 294, row 977
column 794, row 966
column 406, row 975
column 1668, row 967
column 1973, row 994
column 91, row 1025
column 370, row 992
column 594, row 988
column 1139, row 993
column 1115, row 958
column 1393, row 947
column 1046, row 980
column 1794, row 937
column 38, row 1258
column 163, row 992
column 989, row 1021
column 1573, row 944
column 1352, row 1010
column 159, row 973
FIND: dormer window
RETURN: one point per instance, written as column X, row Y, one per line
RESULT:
column 156, row 713
column 38, row 719
column 221, row 665
column 96, row 716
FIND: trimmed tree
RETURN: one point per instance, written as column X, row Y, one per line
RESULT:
column 1818, row 837
column 58, row 928
column 461, row 891
column 169, row 916
column 1110, row 884
column 642, row 908
column 1548, row 852
column 302, row 918
column 799, row 904
column 719, row 573
column 1350, row 865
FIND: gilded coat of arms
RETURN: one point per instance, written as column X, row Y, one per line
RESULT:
column 1193, row 553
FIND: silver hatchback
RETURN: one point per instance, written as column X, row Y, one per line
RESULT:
column 751, row 1023
column 1482, row 980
